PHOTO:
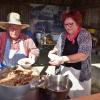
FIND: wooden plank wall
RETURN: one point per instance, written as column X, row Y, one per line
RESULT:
column 23, row 10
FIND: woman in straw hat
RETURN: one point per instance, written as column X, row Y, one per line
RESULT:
column 15, row 45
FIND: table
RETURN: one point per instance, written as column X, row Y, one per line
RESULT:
column 90, row 97
column 30, row 96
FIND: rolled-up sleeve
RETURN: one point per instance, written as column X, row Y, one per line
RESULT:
column 32, row 47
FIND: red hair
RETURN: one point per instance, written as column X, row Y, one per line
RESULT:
column 74, row 14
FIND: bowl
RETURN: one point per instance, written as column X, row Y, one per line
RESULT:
column 26, row 62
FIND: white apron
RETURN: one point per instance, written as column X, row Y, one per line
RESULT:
column 79, row 88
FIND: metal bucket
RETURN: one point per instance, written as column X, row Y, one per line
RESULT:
column 58, row 87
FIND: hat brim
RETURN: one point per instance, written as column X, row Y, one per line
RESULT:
column 5, row 25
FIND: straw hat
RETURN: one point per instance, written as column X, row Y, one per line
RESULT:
column 13, row 19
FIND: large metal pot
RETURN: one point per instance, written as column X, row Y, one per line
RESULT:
column 17, row 91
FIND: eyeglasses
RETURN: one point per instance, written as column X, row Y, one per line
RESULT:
column 69, row 24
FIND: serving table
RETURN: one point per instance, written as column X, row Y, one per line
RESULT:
column 30, row 96
column 90, row 97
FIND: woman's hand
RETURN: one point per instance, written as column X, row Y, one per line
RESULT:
column 56, row 62
column 59, row 60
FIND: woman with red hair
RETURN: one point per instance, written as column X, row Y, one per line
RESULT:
column 74, row 52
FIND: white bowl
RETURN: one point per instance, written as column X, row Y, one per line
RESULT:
column 26, row 62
